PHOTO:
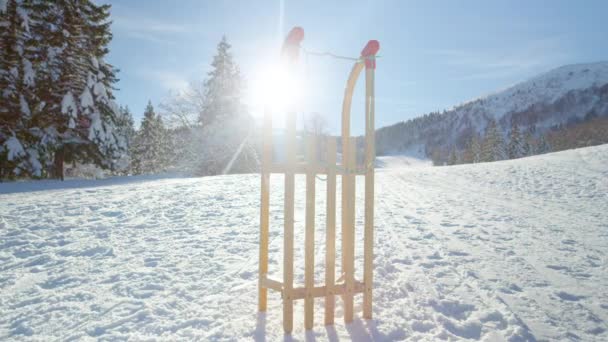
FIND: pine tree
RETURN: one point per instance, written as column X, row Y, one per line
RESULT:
column 224, row 140
column 516, row 145
column 17, row 153
column 529, row 145
column 493, row 147
column 543, row 145
column 125, row 129
column 57, row 100
column 472, row 150
column 125, row 125
column 222, row 88
column 476, row 148
column 150, row 147
column 453, row 159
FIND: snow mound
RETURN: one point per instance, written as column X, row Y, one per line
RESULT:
column 511, row 250
column 414, row 156
column 401, row 161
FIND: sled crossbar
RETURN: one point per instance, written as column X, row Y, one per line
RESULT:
column 348, row 169
column 303, row 168
column 316, row 292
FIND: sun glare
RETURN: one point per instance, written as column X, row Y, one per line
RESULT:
column 276, row 88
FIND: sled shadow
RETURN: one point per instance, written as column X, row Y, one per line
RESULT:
column 364, row 330
column 358, row 330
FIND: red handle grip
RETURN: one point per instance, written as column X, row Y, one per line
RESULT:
column 291, row 46
column 368, row 51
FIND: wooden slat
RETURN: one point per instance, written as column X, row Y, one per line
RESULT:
column 330, row 237
column 264, row 209
column 302, row 168
column 368, row 244
column 288, row 223
column 322, row 291
column 271, row 284
column 349, row 248
column 309, row 262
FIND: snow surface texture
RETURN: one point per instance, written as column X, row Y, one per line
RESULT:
column 511, row 250
column 412, row 157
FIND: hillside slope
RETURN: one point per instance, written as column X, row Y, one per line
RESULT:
column 511, row 250
column 562, row 96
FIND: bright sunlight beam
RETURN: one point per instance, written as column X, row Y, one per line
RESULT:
column 277, row 88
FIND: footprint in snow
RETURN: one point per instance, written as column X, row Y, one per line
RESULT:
column 452, row 308
column 434, row 256
column 458, row 253
column 569, row 296
column 558, row 267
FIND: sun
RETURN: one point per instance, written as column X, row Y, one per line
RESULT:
column 276, row 88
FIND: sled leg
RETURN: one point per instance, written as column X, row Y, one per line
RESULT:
column 288, row 224
column 330, row 238
column 309, row 262
column 349, row 240
column 368, row 244
column 264, row 211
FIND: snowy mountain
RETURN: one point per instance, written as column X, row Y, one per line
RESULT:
column 562, row 96
column 507, row 251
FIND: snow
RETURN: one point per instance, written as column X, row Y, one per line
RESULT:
column 28, row 73
column 25, row 108
column 512, row 250
column 413, row 156
column 68, row 106
column 95, row 62
column 36, row 166
column 25, row 18
column 86, row 99
column 14, row 148
column 545, row 88
column 100, row 92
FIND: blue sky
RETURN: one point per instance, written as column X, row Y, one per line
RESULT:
column 435, row 54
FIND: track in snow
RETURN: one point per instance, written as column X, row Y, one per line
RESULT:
column 512, row 250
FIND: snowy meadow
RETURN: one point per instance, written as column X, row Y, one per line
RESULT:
column 513, row 250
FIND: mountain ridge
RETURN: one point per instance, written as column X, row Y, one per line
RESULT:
column 562, row 96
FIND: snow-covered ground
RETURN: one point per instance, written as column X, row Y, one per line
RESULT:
column 414, row 156
column 513, row 250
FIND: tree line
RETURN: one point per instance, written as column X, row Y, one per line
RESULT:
column 58, row 110
column 492, row 146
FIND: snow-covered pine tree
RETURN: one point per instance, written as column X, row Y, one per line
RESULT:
column 125, row 125
column 57, row 86
column 226, row 128
column 165, row 143
column 222, row 88
column 150, row 149
column 543, row 145
column 88, row 112
column 529, row 144
column 476, row 148
column 516, row 145
column 472, row 150
column 18, row 151
column 125, row 128
column 453, row 159
column 493, row 147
